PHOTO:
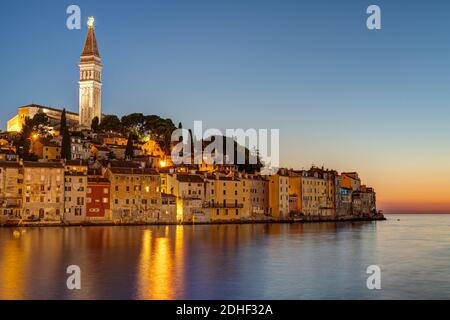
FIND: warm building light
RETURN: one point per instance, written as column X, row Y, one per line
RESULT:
column 179, row 210
column 163, row 163
column 147, row 189
column 35, row 136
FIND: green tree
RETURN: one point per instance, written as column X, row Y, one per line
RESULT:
column 110, row 123
column 129, row 150
column 38, row 125
column 95, row 124
column 133, row 122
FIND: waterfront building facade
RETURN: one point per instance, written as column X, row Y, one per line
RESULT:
column 11, row 190
column 43, row 196
column 279, row 195
column 135, row 193
column 98, row 199
column 75, row 187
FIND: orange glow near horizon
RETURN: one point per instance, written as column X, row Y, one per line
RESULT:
column 408, row 177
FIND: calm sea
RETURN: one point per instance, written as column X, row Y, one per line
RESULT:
column 279, row 261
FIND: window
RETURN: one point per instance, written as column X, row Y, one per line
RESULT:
column 106, row 200
column 237, row 212
column 217, row 211
column 105, row 190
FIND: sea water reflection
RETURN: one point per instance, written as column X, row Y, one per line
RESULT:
column 279, row 261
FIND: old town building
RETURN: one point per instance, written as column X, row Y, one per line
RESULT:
column 75, row 186
column 43, row 195
column 11, row 190
column 226, row 198
column 98, row 199
column 279, row 195
column 135, row 192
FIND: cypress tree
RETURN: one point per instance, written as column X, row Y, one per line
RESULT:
column 63, row 124
column 95, row 124
column 129, row 150
column 66, row 148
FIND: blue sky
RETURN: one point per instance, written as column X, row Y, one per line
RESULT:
column 341, row 95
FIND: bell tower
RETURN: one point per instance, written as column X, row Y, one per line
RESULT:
column 90, row 83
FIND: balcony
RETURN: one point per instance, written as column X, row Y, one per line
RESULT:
column 223, row 205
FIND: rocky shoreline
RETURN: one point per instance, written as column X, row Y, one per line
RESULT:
column 315, row 219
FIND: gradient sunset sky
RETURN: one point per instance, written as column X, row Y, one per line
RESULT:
column 376, row 102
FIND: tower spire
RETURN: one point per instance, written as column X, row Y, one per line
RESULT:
column 90, row 83
column 90, row 46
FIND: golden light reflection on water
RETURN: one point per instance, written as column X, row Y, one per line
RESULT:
column 156, row 268
column 183, row 262
column 12, row 267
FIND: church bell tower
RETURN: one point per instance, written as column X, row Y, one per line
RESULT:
column 90, row 83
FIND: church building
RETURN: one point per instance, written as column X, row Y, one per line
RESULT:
column 90, row 92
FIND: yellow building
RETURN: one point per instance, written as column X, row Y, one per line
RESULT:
column 53, row 114
column 279, row 195
column 135, row 193
column 75, row 187
column 45, row 149
column 295, row 192
column 43, row 196
column 190, row 192
column 227, row 198
column 11, row 190
column 318, row 192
